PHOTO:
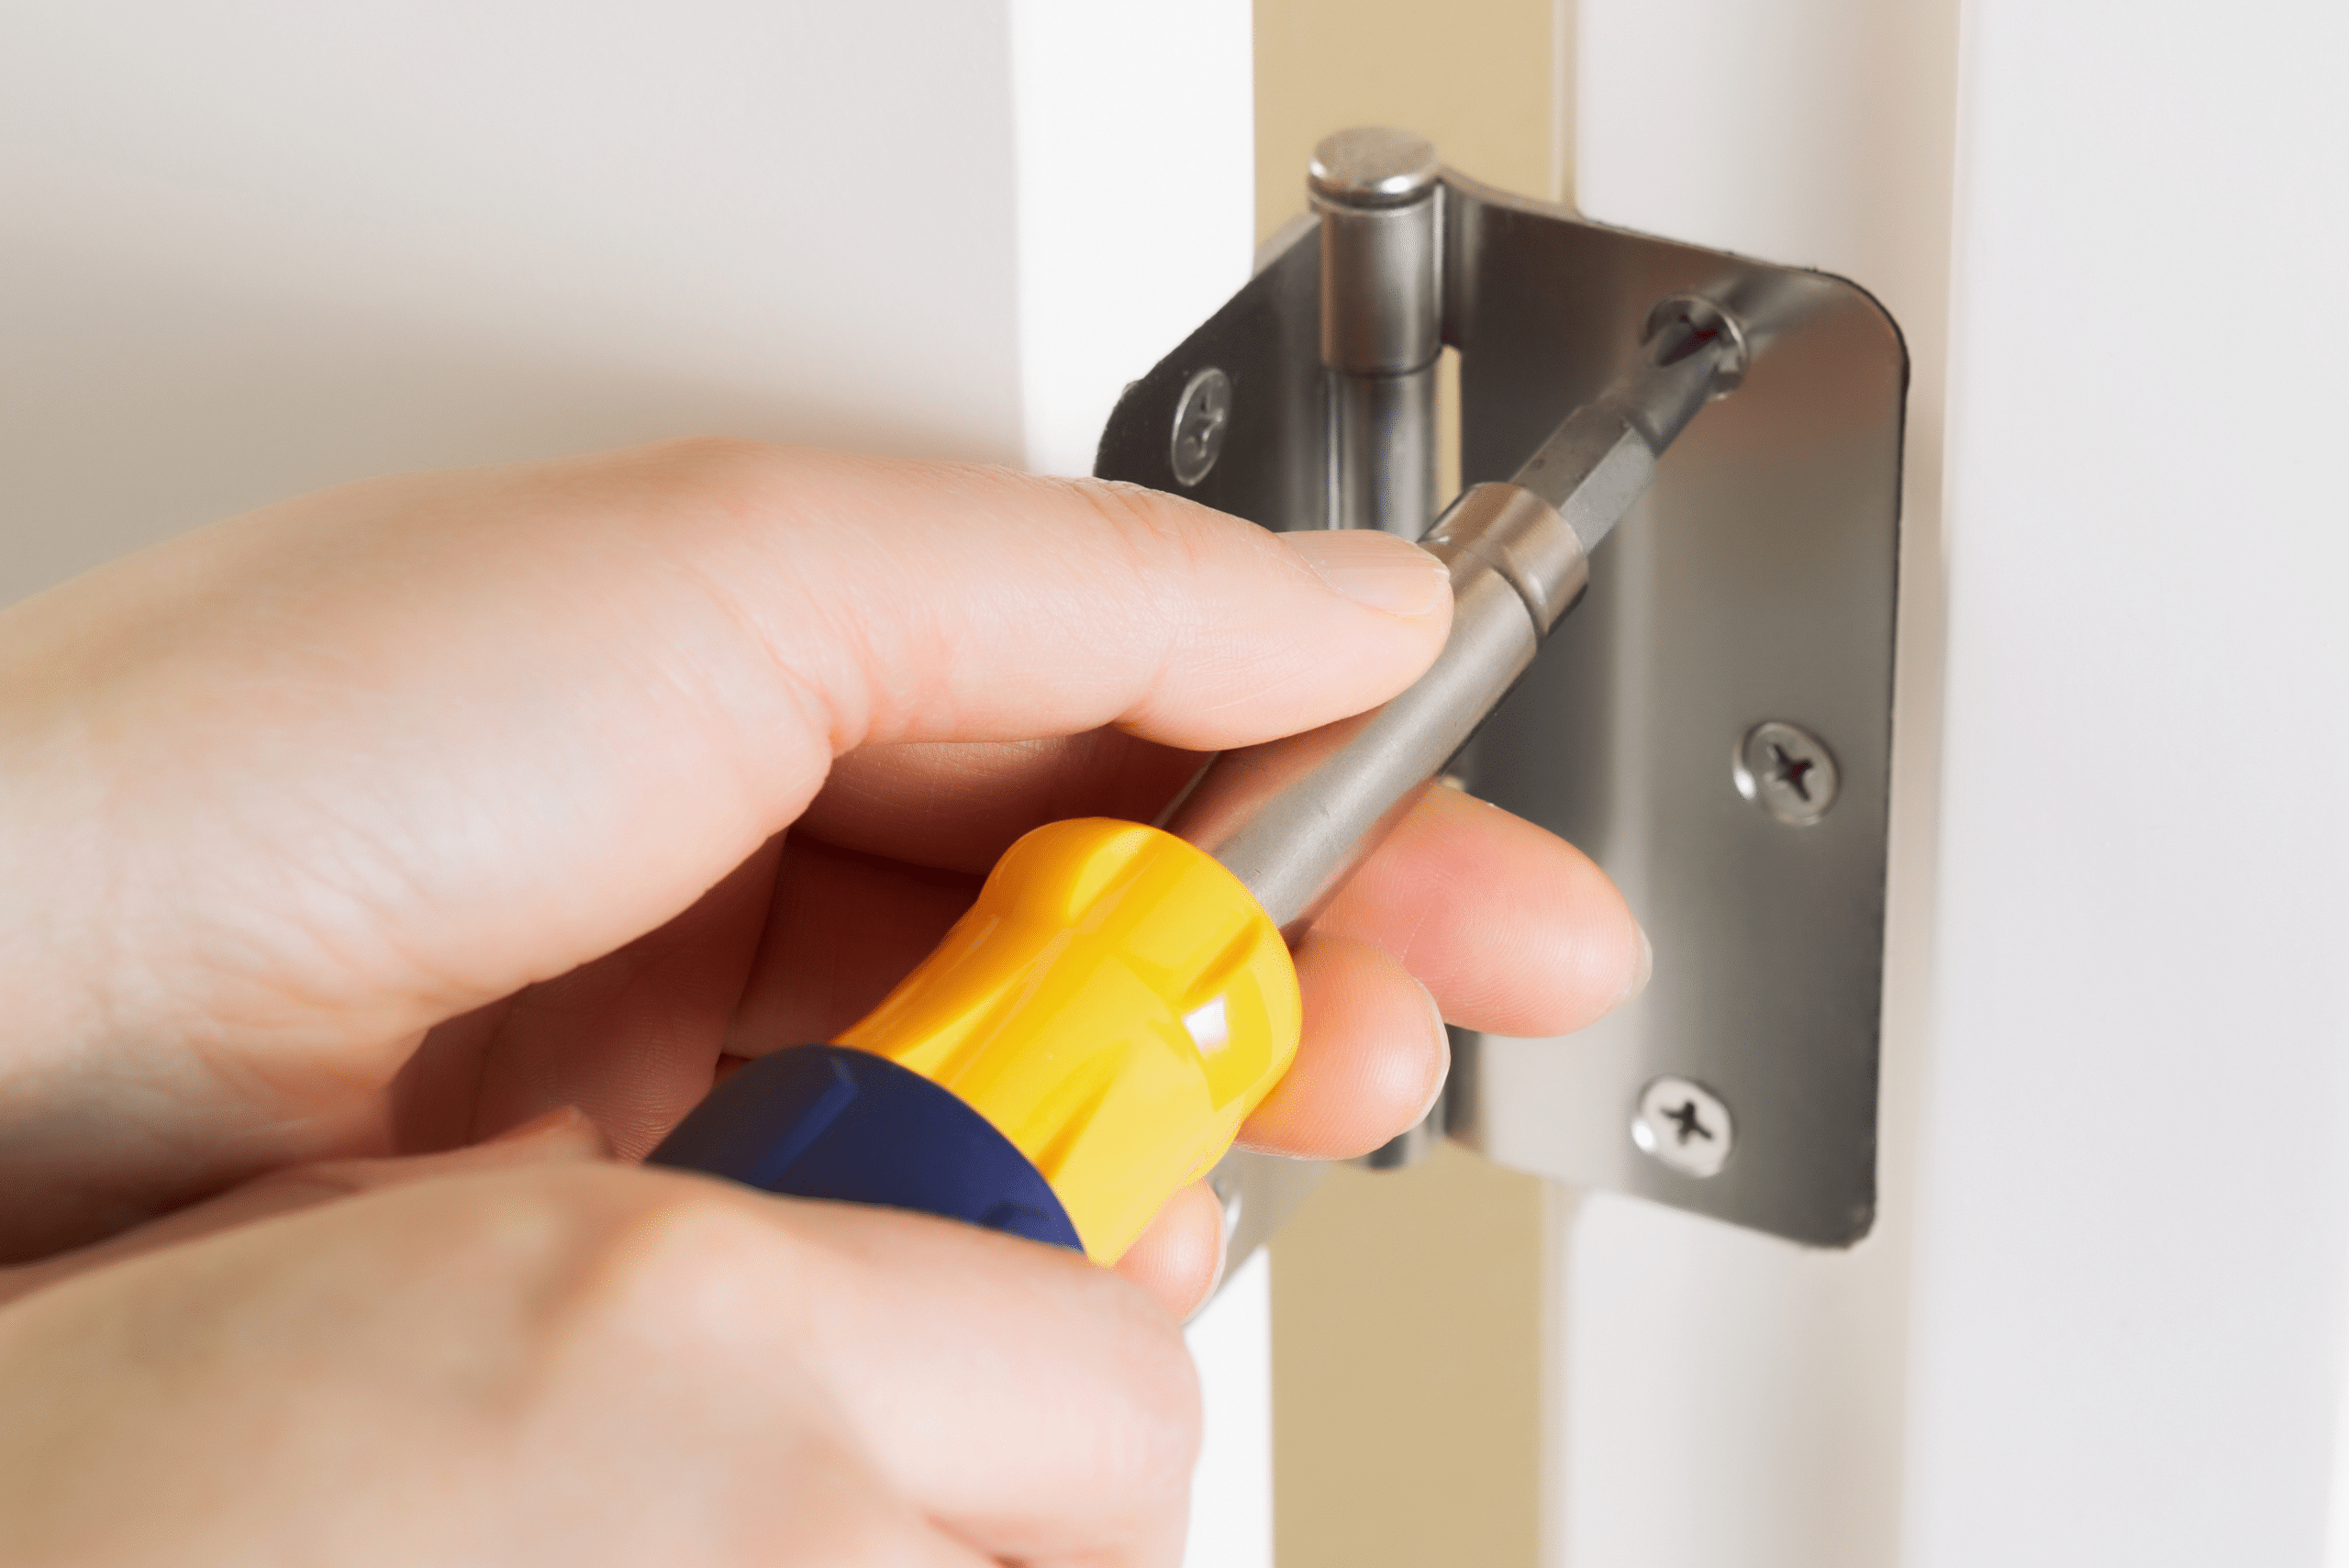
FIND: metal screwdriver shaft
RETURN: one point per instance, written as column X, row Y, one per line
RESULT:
column 1094, row 1031
column 1292, row 818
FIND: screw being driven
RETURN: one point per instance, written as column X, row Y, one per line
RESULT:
column 1202, row 420
column 1786, row 770
column 1684, row 1126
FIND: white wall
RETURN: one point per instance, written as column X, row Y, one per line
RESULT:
column 252, row 249
column 1137, row 150
column 248, row 250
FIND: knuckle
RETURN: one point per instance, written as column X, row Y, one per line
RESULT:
column 875, row 1530
column 593, row 1259
column 726, row 475
column 1155, row 533
column 680, row 1264
column 712, row 459
column 1165, row 547
column 722, row 483
column 1150, row 1411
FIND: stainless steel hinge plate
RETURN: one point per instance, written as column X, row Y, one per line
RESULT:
column 1713, row 725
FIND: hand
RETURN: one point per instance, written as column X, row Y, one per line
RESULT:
column 521, row 1354
column 386, row 819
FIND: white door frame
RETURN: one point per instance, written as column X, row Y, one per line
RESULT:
column 2100, row 1318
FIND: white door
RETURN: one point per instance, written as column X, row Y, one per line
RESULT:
column 252, row 251
column 2102, row 1318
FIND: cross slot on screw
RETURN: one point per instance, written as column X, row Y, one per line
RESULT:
column 1202, row 420
column 1786, row 770
column 1683, row 1125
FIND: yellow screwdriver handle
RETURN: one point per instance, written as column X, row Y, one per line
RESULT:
column 1088, row 1038
column 1115, row 1004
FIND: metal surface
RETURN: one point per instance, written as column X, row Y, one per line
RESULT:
column 1382, row 301
column 1266, row 340
column 1275, row 471
column 1786, row 770
column 1382, row 323
column 1292, row 818
column 1754, row 581
column 1382, row 329
column 1409, row 1147
column 1259, row 1192
column 1202, row 418
column 1373, row 166
column 1603, row 457
column 1683, row 1126
column 1382, row 451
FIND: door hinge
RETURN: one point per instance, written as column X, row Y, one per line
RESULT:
column 1712, row 724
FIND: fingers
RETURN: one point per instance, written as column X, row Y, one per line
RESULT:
column 287, row 791
column 944, row 1340
column 1371, row 1062
column 631, row 1038
column 1467, row 914
column 1507, row 927
column 565, row 1135
column 1512, row 929
column 843, row 928
column 650, row 666
column 1179, row 1258
column 959, row 805
column 595, row 1364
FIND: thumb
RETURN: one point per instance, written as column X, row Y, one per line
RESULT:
column 561, row 1137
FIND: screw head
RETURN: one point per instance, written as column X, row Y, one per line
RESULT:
column 1202, row 418
column 1786, row 770
column 1683, row 1125
column 1682, row 316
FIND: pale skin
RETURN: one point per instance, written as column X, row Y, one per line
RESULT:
column 382, row 873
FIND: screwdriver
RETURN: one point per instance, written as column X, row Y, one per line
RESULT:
column 1090, row 1035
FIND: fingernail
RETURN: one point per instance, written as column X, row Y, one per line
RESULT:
column 1641, row 972
column 1222, row 1260
column 1444, row 1046
column 1375, row 569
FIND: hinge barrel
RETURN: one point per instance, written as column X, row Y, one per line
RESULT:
column 1381, row 201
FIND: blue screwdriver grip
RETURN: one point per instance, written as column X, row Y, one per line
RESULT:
column 831, row 1122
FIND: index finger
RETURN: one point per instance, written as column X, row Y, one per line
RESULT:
column 280, row 794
